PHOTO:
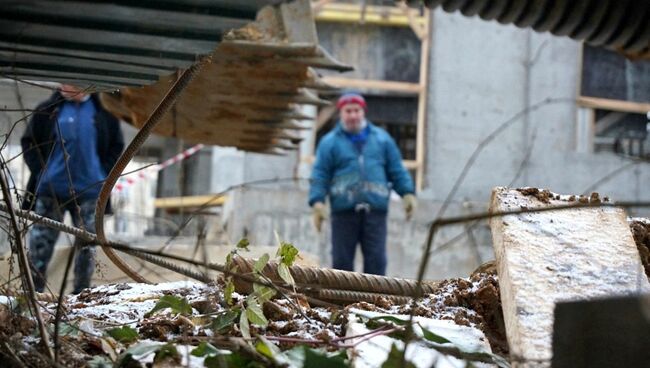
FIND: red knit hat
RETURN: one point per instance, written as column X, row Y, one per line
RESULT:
column 349, row 98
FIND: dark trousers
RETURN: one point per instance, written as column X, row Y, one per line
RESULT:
column 42, row 240
column 350, row 228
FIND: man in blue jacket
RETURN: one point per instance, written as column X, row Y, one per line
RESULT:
column 70, row 145
column 357, row 165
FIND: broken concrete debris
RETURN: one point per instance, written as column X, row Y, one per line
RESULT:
column 546, row 257
column 541, row 259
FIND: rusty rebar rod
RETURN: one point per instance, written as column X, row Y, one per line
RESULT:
column 165, row 104
column 326, row 278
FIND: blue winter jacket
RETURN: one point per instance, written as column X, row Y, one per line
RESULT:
column 349, row 177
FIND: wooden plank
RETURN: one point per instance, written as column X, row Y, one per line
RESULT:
column 376, row 15
column 411, row 164
column 547, row 257
column 402, row 87
column 420, row 138
column 419, row 26
column 189, row 202
column 614, row 105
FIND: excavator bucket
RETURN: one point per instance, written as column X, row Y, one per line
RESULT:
column 249, row 95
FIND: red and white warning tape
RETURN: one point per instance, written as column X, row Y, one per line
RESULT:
column 129, row 180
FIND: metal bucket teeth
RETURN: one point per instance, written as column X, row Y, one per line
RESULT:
column 251, row 94
column 282, row 124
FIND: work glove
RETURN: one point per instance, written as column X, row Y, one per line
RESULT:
column 318, row 214
column 410, row 203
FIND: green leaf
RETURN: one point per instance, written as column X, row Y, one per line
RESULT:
column 285, row 274
column 395, row 320
column 100, row 361
column 277, row 238
column 243, row 326
column 433, row 337
column 66, row 329
column 272, row 351
column 263, row 349
column 296, row 355
column 234, row 360
column 315, row 358
column 204, row 348
column 176, row 304
column 287, row 253
column 255, row 314
column 128, row 361
column 224, row 321
column 140, row 350
column 165, row 352
column 394, row 359
column 263, row 293
column 124, row 334
column 229, row 259
column 228, row 290
column 261, row 262
column 143, row 349
column 243, row 244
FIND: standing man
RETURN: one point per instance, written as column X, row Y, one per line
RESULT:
column 70, row 145
column 357, row 165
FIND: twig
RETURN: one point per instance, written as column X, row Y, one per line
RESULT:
column 59, row 305
column 239, row 344
column 23, row 262
column 385, row 327
column 384, row 330
column 13, row 355
column 487, row 140
column 610, row 175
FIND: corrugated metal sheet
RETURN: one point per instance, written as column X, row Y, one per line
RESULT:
column 622, row 25
column 113, row 43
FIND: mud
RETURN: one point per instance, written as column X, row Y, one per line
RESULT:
column 249, row 32
column 11, row 322
column 161, row 328
column 479, row 295
column 641, row 233
column 543, row 196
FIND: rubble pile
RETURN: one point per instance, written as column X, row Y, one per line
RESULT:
column 91, row 319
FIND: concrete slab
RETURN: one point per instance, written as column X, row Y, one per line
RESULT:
column 543, row 258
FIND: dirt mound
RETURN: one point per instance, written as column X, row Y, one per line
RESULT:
column 641, row 233
column 480, row 294
column 543, row 196
column 474, row 302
